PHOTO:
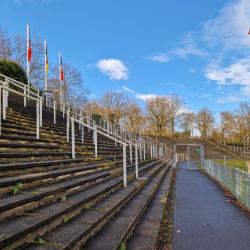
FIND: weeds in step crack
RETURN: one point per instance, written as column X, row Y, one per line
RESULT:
column 15, row 189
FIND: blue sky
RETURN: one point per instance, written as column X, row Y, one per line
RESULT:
column 199, row 50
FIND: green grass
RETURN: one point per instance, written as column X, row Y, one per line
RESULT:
column 240, row 164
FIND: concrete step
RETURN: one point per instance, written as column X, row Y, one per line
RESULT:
column 144, row 237
column 88, row 222
column 118, row 229
column 41, row 220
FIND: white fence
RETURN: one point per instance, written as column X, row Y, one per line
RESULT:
column 235, row 180
column 233, row 148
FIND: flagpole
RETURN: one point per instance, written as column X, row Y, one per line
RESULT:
column 60, row 78
column 46, row 83
column 28, row 64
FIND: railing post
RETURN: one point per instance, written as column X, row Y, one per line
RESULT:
column 174, row 156
column 247, row 190
column 144, row 151
column 73, row 138
column 130, row 147
column 24, row 98
column 37, row 120
column 67, row 129
column 236, row 183
column 95, row 133
column 136, row 161
column 140, row 150
column 41, row 112
column 4, row 104
column 124, row 166
column 0, row 110
column 82, row 131
column 54, row 112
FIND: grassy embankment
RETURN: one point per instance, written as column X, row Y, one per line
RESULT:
column 239, row 163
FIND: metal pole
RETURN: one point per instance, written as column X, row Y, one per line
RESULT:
column 175, row 156
column 54, row 112
column 24, row 98
column 130, row 146
column 156, row 148
column 67, row 132
column 124, row 166
column 144, row 151
column 37, row 120
column 247, row 190
column 136, row 162
column 0, row 112
column 41, row 111
column 60, row 76
column 46, row 81
column 73, row 138
column 95, row 133
column 28, row 64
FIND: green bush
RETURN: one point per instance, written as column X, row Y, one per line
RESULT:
column 96, row 117
column 13, row 70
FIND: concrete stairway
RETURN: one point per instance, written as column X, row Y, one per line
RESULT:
column 50, row 201
column 211, row 150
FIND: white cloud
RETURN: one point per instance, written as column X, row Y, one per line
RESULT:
column 18, row 2
column 92, row 96
column 192, row 70
column 181, row 86
column 189, row 46
column 205, row 95
column 113, row 68
column 230, row 28
column 161, row 57
column 168, row 83
column 145, row 97
column 245, row 90
column 229, row 99
column 236, row 73
column 129, row 90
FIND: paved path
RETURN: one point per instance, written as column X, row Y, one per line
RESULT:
column 206, row 220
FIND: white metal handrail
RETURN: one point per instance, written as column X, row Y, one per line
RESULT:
column 99, row 132
column 38, row 110
column 239, row 148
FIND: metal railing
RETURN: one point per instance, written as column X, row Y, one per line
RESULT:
column 235, row 180
column 244, row 154
column 5, row 98
column 95, row 130
column 234, row 148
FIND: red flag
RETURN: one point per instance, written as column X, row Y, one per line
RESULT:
column 61, row 70
column 29, row 45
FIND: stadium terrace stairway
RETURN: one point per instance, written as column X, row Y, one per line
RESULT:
column 211, row 150
column 50, row 201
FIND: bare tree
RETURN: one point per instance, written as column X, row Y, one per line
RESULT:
column 134, row 117
column 6, row 48
column 72, row 84
column 158, row 113
column 187, row 124
column 177, row 110
column 205, row 121
column 114, row 103
column 14, row 47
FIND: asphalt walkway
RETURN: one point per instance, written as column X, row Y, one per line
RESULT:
column 204, row 218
